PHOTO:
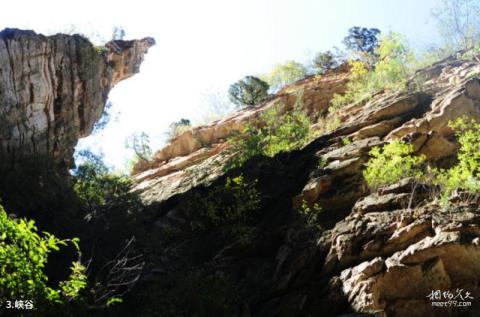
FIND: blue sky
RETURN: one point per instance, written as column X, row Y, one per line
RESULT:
column 206, row 45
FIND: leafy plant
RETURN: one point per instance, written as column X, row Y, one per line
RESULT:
column 23, row 257
column 177, row 128
column 324, row 61
column 284, row 74
column 231, row 205
column 465, row 174
column 105, row 196
column 311, row 214
column 392, row 162
column 140, row 143
column 273, row 133
column 100, row 190
column 362, row 39
column 248, row 91
column 346, row 140
column 395, row 64
column 322, row 162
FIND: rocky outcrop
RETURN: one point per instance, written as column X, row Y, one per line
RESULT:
column 406, row 257
column 181, row 163
column 53, row 89
column 379, row 253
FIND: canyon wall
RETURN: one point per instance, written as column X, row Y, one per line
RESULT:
column 371, row 253
column 53, row 89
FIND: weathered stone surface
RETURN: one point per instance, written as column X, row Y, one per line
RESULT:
column 377, row 252
column 447, row 107
column 381, row 202
column 53, row 89
column 445, row 261
column 316, row 93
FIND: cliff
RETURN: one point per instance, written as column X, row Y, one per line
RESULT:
column 369, row 252
column 372, row 254
column 53, row 89
column 197, row 155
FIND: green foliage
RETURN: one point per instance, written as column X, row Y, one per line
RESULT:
column 361, row 39
column 284, row 74
column 177, row 128
column 390, row 163
column 76, row 282
column 395, row 161
column 273, row 133
column 465, row 174
column 311, row 214
column 101, row 191
column 346, row 140
column 322, row 162
column 324, row 61
column 113, row 301
column 140, row 144
column 112, row 210
column 395, row 64
column 232, row 205
column 23, row 257
column 248, row 91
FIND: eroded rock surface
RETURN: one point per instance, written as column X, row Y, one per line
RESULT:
column 53, row 89
column 379, row 253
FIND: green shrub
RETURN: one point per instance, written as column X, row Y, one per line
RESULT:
column 346, row 141
column 362, row 39
column 324, row 61
column 101, row 191
column 23, row 257
column 390, row 72
column 177, row 128
column 232, row 205
column 311, row 214
column 111, row 209
column 248, row 91
column 465, row 174
column 284, row 74
column 390, row 163
column 271, row 134
column 139, row 142
column 394, row 161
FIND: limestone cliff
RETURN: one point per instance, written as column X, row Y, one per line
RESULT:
column 373, row 254
column 53, row 89
column 196, row 156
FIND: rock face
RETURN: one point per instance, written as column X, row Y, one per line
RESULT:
column 379, row 253
column 367, row 253
column 53, row 89
column 187, row 159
